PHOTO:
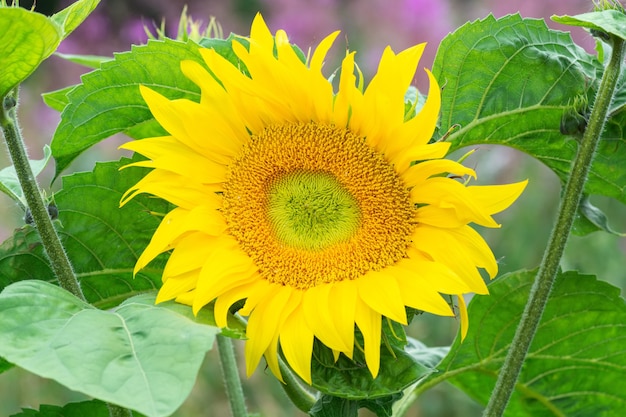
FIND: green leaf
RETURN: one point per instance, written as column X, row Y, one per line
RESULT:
column 138, row 356
column 28, row 38
column 57, row 99
column 608, row 21
column 577, row 361
column 352, row 380
column 92, row 408
column 10, row 184
column 591, row 219
column 72, row 16
column 329, row 406
column 103, row 240
column 511, row 81
column 89, row 61
column 108, row 100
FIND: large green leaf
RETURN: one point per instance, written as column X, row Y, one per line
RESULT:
column 139, row 356
column 511, row 81
column 28, row 38
column 577, row 361
column 103, row 240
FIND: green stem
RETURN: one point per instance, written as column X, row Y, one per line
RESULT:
column 550, row 264
column 230, row 372
column 52, row 244
column 117, row 411
column 299, row 395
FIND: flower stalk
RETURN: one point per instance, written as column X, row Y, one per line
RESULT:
column 232, row 381
column 548, row 269
column 59, row 261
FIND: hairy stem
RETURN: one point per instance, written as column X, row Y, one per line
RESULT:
column 50, row 239
column 552, row 256
column 230, row 372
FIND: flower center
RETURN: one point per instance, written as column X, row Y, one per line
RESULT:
column 314, row 204
column 311, row 210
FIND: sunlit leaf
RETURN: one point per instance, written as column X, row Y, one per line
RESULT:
column 576, row 363
column 89, row 61
column 72, row 16
column 28, row 38
column 57, row 99
column 139, row 356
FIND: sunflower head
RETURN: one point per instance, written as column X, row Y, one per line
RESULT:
column 322, row 208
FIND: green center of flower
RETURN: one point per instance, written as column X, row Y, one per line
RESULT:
column 312, row 210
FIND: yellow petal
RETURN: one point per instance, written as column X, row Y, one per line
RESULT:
column 176, row 223
column 437, row 276
column 178, row 190
column 171, row 155
column 495, row 198
column 380, row 291
column 421, row 297
column 420, row 129
column 403, row 160
column 296, row 341
column 317, row 60
column 266, row 321
column 227, row 267
column 191, row 123
column 228, row 298
column 316, row 310
column 271, row 357
column 424, row 170
column 369, row 323
column 175, row 286
column 464, row 316
column 343, row 297
column 451, row 249
column 448, row 193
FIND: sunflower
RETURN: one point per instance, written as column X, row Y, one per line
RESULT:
column 309, row 203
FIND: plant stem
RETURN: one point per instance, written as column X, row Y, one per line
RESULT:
column 52, row 244
column 550, row 264
column 230, row 372
column 299, row 395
